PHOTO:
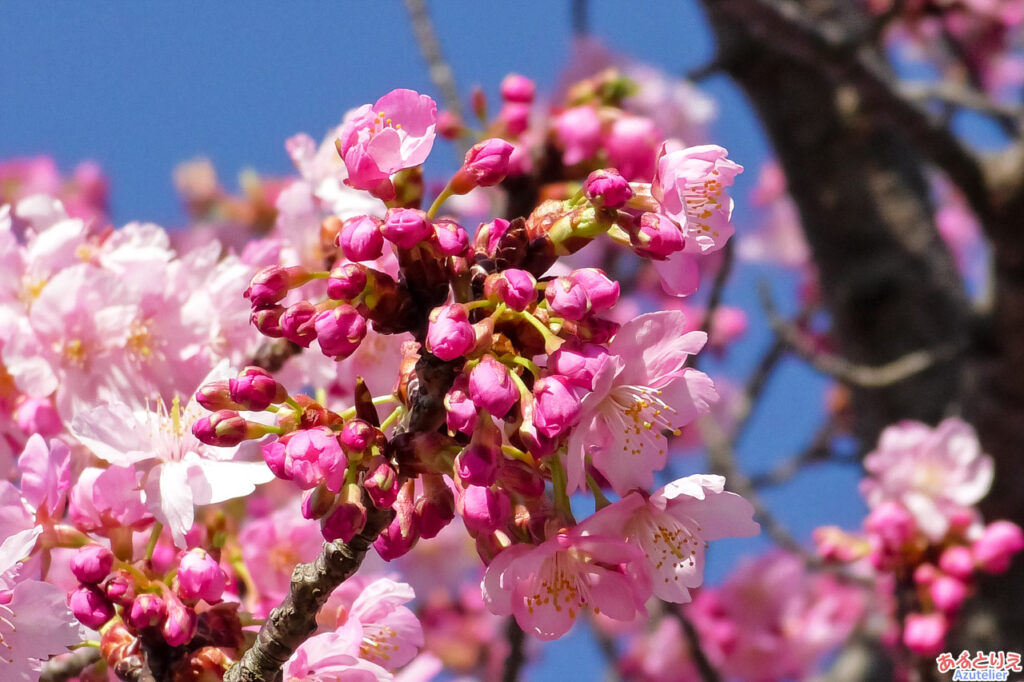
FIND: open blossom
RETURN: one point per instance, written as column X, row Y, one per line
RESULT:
column 179, row 471
column 397, row 132
column 632, row 402
column 548, row 586
column 333, row 657
column 672, row 527
column 936, row 473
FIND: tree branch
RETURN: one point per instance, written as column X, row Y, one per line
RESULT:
column 291, row 623
column 440, row 70
column 516, row 651
column 66, row 667
column 708, row 673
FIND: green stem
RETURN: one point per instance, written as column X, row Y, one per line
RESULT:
column 439, row 201
column 551, row 342
column 378, row 400
column 295, row 404
column 516, row 453
column 154, row 537
column 558, row 483
column 528, row 364
column 600, row 500
column 391, row 418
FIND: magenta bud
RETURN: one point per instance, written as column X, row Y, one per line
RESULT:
column 578, row 363
column 515, row 116
column 147, row 610
column 485, row 165
column 516, row 288
column 223, row 428
column 567, row 298
column 255, row 389
column 360, row 238
column 92, row 563
column 657, row 237
column 452, row 239
column 517, row 88
column 999, row 541
column 90, row 606
column 347, row 282
column 272, row 283
column 120, row 588
column 892, row 525
column 957, row 562
column 556, row 408
column 406, row 227
column 37, row 415
column 925, row 634
column 200, row 576
column 947, row 593
column 449, row 125
column 601, row 291
column 180, row 625
column 297, row 323
column 521, row 478
column 449, row 334
column 304, row 452
column 460, row 410
column 317, row 502
column 398, row 538
column 476, row 465
column 381, row 484
column 347, row 519
column 340, row 331
column 268, row 321
column 436, row 508
column 606, row 188
column 925, row 574
column 357, row 436
column 274, row 456
column 484, row 510
column 216, row 395
column 492, row 388
column 489, row 234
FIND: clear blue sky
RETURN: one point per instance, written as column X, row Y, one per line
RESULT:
column 141, row 86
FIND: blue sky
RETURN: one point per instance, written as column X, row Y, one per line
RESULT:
column 142, row 86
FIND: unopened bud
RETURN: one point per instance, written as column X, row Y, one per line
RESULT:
column 485, row 165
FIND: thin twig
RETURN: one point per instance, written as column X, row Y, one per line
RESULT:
column 841, row 369
column 707, row 671
column 64, row 668
column 819, row 450
column 441, row 74
column 717, row 289
column 580, row 17
column 606, row 643
column 517, row 651
column 965, row 97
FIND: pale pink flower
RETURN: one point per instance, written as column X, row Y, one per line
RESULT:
column 642, row 389
column 272, row 546
column 333, row 657
column 179, row 471
column 579, row 132
column 936, row 473
column 690, row 186
column 397, row 132
column 672, row 528
column 548, row 586
column 45, row 476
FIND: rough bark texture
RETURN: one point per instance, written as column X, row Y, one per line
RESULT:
column 855, row 154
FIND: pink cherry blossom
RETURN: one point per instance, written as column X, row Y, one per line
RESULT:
column 548, row 586
column 936, row 473
column 397, row 132
column 333, row 657
column 622, row 419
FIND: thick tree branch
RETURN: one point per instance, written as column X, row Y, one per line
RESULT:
column 66, row 667
column 516, row 659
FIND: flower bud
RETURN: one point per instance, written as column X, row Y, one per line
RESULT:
column 120, row 588
column 360, row 238
column 556, row 407
column 317, row 502
column 606, row 188
column 92, row 563
column 947, row 593
column 147, row 610
column 516, row 288
column 492, row 388
column 268, row 321
column 216, row 395
column 406, row 227
column 274, row 456
column 449, row 125
column 398, row 538
column 449, row 334
column 297, row 323
column 255, row 389
column 272, row 283
column 485, row 165
column 347, row 282
column 90, row 606
column 200, row 576
column 348, row 518
column 924, row 634
column 478, row 102
column 37, row 415
column 436, row 508
column 309, row 452
column 452, row 239
column 460, row 411
column 517, row 88
column 515, row 116
column 657, row 237
column 489, row 234
column 381, row 484
column 357, row 436
column 601, row 291
column 181, row 624
column 957, row 562
column 999, row 541
column 578, row 363
column 340, row 331
column 567, row 298
column 484, row 510
column 223, row 428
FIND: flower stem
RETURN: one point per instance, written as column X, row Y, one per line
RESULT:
column 154, row 537
column 600, row 501
column 558, row 484
column 439, row 201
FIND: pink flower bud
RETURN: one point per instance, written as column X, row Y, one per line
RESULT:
column 268, row 286
column 452, row 239
column 578, row 130
column 406, row 227
column 578, row 363
column 317, row 502
column 297, row 323
column 120, row 588
column 255, row 389
column 181, row 624
column 347, row 519
column 601, row 291
column 340, row 331
column 360, row 238
column 477, row 464
column 999, row 541
column 309, row 452
column 450, row 334
column 92, row 563
column 436, row 508
column 925, row 633
column 556, row 407
column 947, row 593
column 147, row 610
column 268, row 321
column 357, row 436
column 216, row 395
column 925, row 575
column 567, row 298
column 381, row 484
column 485, row 165
column 398, row 538
column 37, row 415
column 657, row 237
column 632, row 146
column 516, row 288
column 223, row 428
column 489, row 234
column 521, row 478
column 90, row 606
column 515, row 116
column 517, row 88
column 484, row 510
column 460, row 411
column 892, row 525
column 200, row 577
column 606, row 188
column 957, row 562
column 347, row 282
column 274, row 456
column 491, row 387
column 449, row 125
